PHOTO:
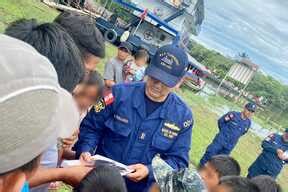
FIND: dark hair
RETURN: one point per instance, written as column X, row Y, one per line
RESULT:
column 83, row 30
column 102, row 179
column 225, row 165
column 93, row 78
column 52, row 41
column 266, row 183
column 239, row 184
column 141, row 54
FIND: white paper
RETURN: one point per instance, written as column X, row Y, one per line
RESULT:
column 98, row 159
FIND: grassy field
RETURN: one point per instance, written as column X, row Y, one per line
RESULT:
column 205, row 119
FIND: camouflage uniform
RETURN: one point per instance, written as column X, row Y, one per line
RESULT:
column 169, row 180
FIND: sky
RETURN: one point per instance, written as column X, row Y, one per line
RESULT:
column 257, row 27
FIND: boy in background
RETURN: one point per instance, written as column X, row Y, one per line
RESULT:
column 134, row 70
column 266, row 183
column 113, row 73
column 236, row 184
column 218, row 166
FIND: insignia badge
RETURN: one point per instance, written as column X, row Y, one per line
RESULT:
column 172, row 126
column 99, row 106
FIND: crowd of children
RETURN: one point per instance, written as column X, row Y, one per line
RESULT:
column 68, row 42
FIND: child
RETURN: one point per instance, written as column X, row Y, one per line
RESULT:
column 102, row 179
column 134, row 70
column 113, row 73
column 266, row 183
column 88, row 91
column 85, row 94
column 217, row 167
column 236, row 184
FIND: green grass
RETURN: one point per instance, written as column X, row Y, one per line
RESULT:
column 205, row 118
column 11, row 10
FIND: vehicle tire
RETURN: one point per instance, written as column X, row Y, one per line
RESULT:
column 110, row 35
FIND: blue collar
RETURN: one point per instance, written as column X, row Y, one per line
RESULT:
column 139, row 104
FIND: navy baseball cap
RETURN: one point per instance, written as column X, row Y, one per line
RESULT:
column 251, row 107
column 127, row 46
column 168, row 65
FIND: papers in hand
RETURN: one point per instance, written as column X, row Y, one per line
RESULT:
column 100, row 160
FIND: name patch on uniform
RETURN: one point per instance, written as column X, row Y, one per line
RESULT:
column 121, row 119
column 169, row 133
column 170, row 130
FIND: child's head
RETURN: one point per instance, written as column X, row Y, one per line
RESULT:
column 235, row 184
column 217, row 167
column 124, row 51
column 266, row 183
column 86, row 35
column 102, row 179
column 89, row 90
column 141, row 57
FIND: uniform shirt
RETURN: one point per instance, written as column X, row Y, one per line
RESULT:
column 113, row 70
column 269, row 159
column 231, row 128
column 122, row 131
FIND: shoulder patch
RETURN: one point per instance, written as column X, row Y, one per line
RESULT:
column 108, row 98
column 188, row 123
column 101, row 104
column 270, row 137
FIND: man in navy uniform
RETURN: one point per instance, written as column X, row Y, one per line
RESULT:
column 273, row 157
column 139, row 120
column 231, row 127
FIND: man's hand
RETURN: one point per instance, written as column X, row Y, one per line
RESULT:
column 141, row 172
column 85, row 157
column 280, row 154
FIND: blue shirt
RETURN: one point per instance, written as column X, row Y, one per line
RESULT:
column 122, row 131
column 25, row 187
column 231, row 127
column 268, row 159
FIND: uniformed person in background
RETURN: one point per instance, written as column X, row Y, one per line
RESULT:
column 273, row 157
column 231, row 126
column 139, row 120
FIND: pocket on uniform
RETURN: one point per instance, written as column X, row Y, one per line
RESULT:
column 161, row 142
column 118, row 129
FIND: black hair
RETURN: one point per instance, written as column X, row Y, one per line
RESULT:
column 93, row 78
column 83, row 30
column 142, row 53
column 102, row 179
column 238, row 184
column 266, row 183
column 225, row 165
column 52, row 41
